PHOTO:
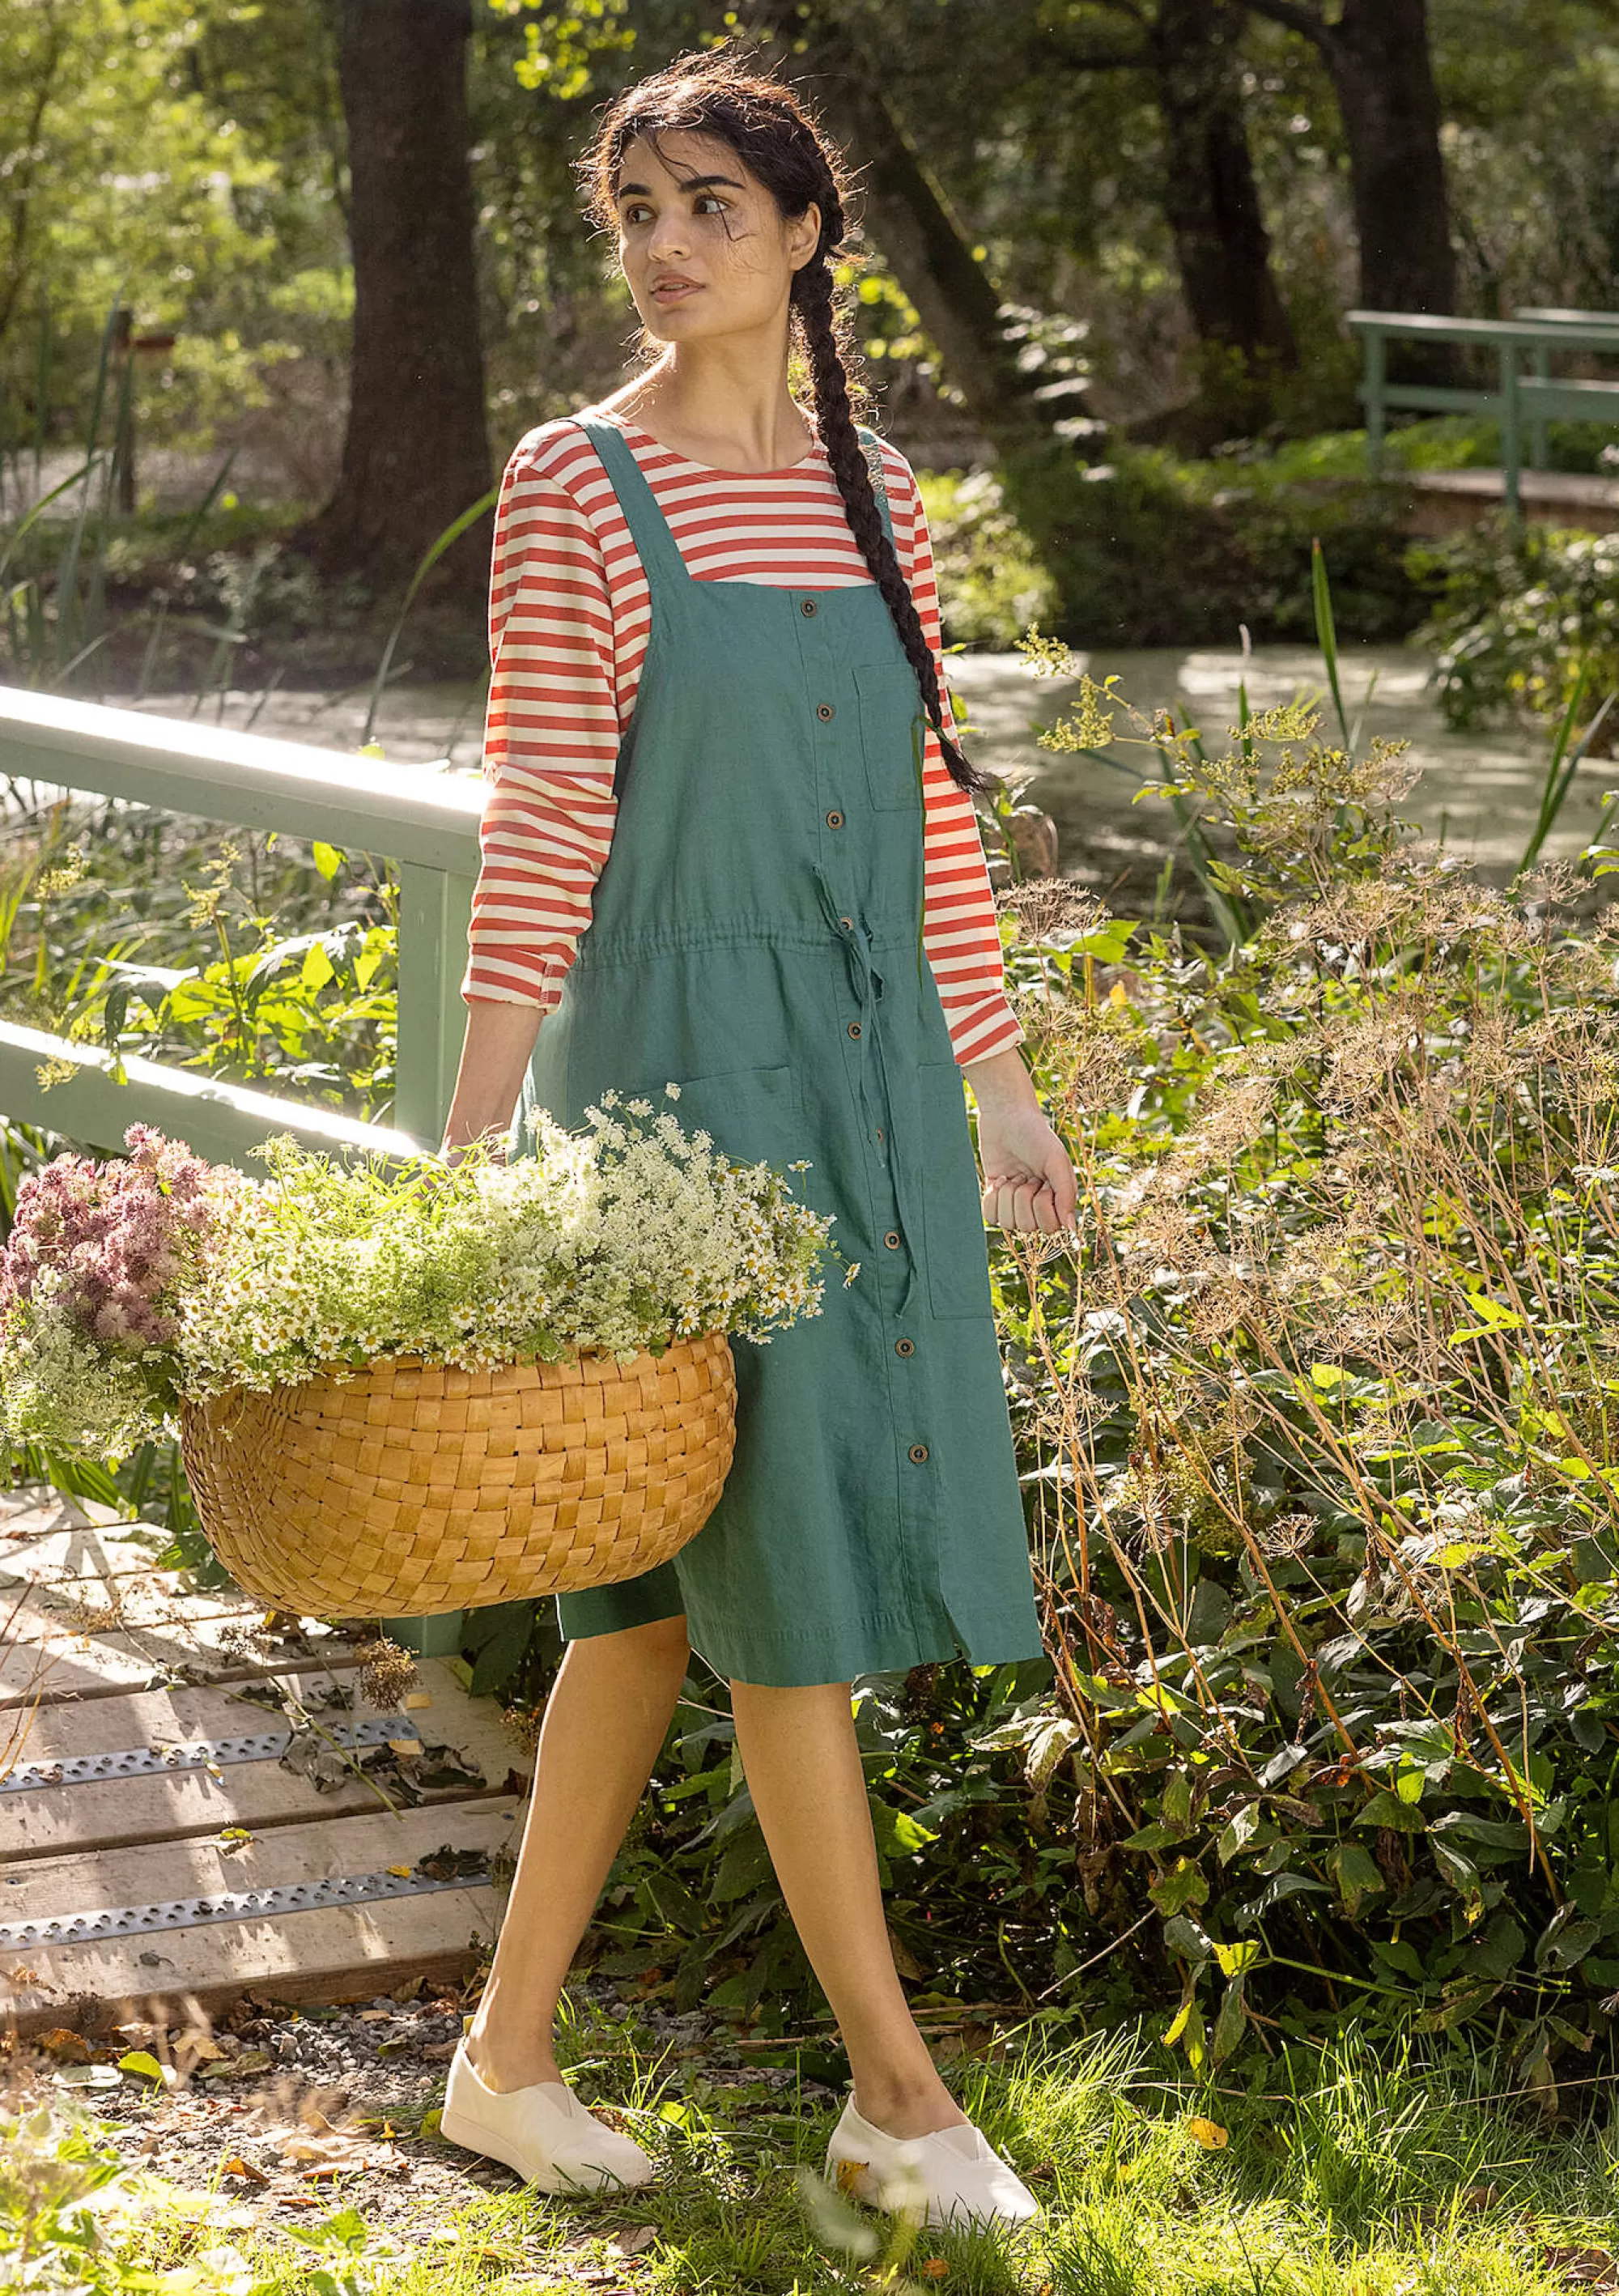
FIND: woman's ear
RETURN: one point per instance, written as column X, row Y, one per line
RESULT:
column 804, row 236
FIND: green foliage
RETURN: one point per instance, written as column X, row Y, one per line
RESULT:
column 1525, row 615
column 1145, row 549
column 1344, row 2169
column 127, row 184
column 1320, row 1420
column 138, row 953
column 991, row 587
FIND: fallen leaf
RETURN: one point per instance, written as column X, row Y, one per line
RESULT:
column 237, row 2167
column 141, row 2063
column 1210, row 2135
column 1587, row 2267
column 633, row 2239
column 404, row 1872
column 933, row 2268
column 414, row 1700
column 381, row 2016
column 230, row 2069
column 849, row 2174
column 68, row 2048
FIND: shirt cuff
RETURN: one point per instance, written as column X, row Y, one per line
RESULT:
column 987, row 1026
column 477, row 991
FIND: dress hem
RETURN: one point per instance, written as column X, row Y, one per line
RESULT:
column 795, row 1661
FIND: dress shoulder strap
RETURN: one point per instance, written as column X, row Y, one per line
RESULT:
column 655, row 544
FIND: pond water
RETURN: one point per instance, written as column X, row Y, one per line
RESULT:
column 1477, row 792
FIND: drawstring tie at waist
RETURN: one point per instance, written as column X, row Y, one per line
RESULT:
column 868, row 988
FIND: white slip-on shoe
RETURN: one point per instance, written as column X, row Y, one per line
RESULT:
column 544, row 2132
column 951, row 2175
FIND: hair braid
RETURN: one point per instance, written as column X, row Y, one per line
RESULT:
column 765, row 123
column 814, row 299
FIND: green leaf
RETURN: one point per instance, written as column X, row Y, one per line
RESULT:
column 1357, row 1873
column 1238, row 1834
column 1388, row 1809
column 1229, row 2022
column 1568, row 1938
column 327, row 860
column 140, row 2062
column 317, row 969
column 1183, row 1885
column 1182, row 1935
column 1463, row 1877
column 1237, row 1960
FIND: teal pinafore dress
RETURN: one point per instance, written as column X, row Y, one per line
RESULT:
column 756, row 938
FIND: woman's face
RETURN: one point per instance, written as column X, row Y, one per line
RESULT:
column 704, row 248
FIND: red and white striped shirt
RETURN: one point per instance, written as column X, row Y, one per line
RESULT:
column 569, row 614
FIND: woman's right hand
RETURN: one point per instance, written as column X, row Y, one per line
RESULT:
column 495, row 1053
column 453, row 1148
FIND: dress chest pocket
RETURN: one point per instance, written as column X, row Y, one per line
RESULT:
column 891, row 732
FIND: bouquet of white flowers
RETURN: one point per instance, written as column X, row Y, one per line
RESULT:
column 402, row 1388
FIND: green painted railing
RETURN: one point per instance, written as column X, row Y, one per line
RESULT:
column 421, row 818
column 1523, row 402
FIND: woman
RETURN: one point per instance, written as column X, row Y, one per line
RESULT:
column 717, row 737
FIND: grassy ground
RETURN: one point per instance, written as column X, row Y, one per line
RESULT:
column 1367, row 2177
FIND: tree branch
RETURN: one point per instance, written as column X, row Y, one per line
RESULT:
column 1296, row 15
column 1098, row 59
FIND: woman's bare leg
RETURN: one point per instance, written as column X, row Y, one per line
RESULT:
column 802, row 1761
column 605, row 1720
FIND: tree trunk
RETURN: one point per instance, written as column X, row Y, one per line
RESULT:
column 931, row 256
column 416, row 451
column 1382, row 71
column 1211, row 201
column 1383, row 74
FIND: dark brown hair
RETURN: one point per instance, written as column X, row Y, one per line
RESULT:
column 766, row 126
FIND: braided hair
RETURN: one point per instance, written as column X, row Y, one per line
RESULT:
column 764, row 122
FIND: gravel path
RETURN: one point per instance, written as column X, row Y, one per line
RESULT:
column 287, row 2110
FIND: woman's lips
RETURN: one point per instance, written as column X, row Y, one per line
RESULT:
column 675, row 291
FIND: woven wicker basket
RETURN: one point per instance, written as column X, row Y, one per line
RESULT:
column 414, row 1487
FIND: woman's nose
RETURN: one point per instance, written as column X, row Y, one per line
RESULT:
column 667, row 238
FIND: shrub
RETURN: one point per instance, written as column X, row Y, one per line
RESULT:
column 1525, row 614
column 1145, row 549
column 991, row 586
column 1320, row 1415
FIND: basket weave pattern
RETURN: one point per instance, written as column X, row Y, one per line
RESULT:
column 414, row 1487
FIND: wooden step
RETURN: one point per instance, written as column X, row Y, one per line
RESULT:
column 334, row 1953
column 58, row 1820
column 103, row 1654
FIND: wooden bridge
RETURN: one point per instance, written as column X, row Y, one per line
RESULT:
column 1523, row 397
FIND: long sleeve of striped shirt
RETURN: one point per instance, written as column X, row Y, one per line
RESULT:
column 569, row 614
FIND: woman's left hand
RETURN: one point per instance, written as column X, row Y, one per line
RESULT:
column 1029, row 1181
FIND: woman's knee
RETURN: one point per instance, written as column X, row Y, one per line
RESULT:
column 661, row 1639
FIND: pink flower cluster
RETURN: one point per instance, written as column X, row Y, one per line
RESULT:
column 118, row 1233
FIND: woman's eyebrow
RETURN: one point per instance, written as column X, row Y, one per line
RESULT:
column 688, row 184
